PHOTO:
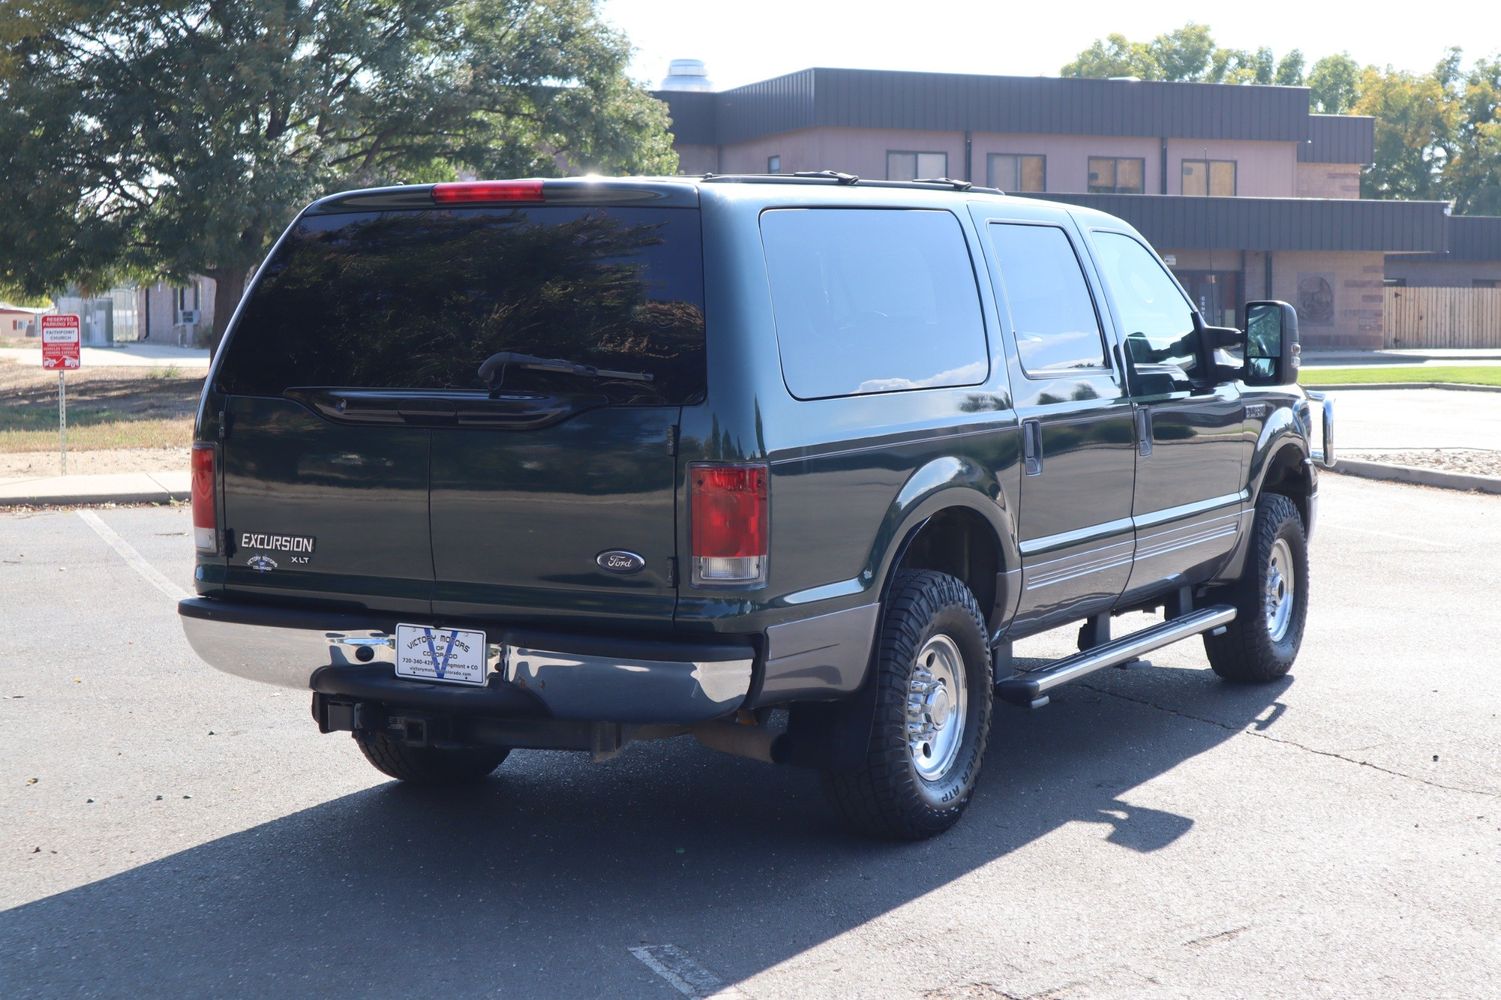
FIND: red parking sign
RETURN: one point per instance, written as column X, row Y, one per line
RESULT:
column 60, row 342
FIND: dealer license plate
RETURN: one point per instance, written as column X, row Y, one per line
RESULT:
column 450, row 655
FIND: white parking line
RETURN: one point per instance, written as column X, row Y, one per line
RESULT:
column 684, row 974
column 136, row 561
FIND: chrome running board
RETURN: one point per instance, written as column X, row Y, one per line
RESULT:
column 1030, row 689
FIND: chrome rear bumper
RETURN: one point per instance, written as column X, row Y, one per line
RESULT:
column 586, row 678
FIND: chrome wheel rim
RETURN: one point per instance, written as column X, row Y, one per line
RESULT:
column 936, row 703
column 1281, row 584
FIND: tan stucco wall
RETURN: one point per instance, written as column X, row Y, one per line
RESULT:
column 697, row 159
column 852, row 150
column 1262, row 169
column 1353, row 280
column 163, row 308
column 1328, row 180
column 1068, row 156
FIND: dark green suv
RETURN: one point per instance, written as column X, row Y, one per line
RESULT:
column 568, row 464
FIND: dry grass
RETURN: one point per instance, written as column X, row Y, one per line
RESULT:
column 108, row 408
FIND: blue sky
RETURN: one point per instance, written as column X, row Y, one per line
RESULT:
column 742, row 42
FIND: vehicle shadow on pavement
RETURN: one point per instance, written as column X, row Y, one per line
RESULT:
column 537, row 882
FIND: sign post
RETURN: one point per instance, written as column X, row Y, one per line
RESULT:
column 60, row 352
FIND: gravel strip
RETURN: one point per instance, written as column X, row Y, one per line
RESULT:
column 1471, row 462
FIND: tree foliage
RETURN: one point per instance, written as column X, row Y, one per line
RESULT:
column 173, row 137
column 1333, row 84
column 1187, row 54
column 1437, row 134
column 1414, row 133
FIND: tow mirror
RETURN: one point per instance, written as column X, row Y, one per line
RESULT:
column 1224, row 349
column 1271, row 343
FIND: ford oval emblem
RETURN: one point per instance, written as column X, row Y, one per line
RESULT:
column 261, row 564
column 620, row 561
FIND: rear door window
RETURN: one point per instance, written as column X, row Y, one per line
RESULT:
column 1052, row 312
column 873, row 300
column 419, row 299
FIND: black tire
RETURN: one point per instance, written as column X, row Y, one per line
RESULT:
column 1257, row 648
column 428, row 765
column 888, row 796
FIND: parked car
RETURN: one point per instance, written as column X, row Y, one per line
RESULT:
column 574, row 463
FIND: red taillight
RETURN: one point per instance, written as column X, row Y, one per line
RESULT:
column 205, row 520
column 482, row 192
column 728, row 518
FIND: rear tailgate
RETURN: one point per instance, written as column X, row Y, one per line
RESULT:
column 542, row 490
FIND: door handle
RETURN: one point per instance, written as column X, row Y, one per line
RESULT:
column 1032, row 447
column 1143, row 431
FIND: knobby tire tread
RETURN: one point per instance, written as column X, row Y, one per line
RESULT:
column 881, row 798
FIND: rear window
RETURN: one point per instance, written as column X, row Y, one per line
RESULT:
column 873, row 300
column 418, row 300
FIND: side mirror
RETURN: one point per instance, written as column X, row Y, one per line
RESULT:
column 1271, row 343
column 1224, row 351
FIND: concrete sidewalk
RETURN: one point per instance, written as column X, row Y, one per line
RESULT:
column 1406, row 419
column 139, row 354
column 1405, row 358
column 121, row 487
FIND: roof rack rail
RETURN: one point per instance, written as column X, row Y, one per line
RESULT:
column 954, row 183
column 833, row 175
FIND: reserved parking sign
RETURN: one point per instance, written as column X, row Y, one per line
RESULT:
column 60, row 343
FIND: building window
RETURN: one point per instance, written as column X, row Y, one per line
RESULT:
column 1117, row 175
column 908, row 166
column 1017, row 171
column 1209, row 177
column 773, row 164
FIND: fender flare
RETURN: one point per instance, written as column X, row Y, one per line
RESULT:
column 837, row 734
column 942, row 484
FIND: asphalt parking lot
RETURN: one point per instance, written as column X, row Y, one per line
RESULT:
column 170, row 831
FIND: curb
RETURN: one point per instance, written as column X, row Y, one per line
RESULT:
column 1341, row 387
column 1417, row 477
column 85, row 499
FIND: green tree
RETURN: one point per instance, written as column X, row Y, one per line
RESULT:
column 1415, row 129
column 179, row 136
column 1241, row 66
column 1334, row 84
column 1184, row 53
column 1473, row 177
column 1115, row 56
column 1290, row 70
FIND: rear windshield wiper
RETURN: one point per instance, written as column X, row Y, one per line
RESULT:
column 493, row 369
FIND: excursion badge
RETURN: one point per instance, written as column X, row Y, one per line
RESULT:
column 297, row 550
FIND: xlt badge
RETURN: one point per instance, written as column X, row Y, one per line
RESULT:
column 297, row 549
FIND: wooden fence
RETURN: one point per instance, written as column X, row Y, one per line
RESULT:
column 1442, row 317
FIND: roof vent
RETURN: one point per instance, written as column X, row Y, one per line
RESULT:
column 687, row 74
